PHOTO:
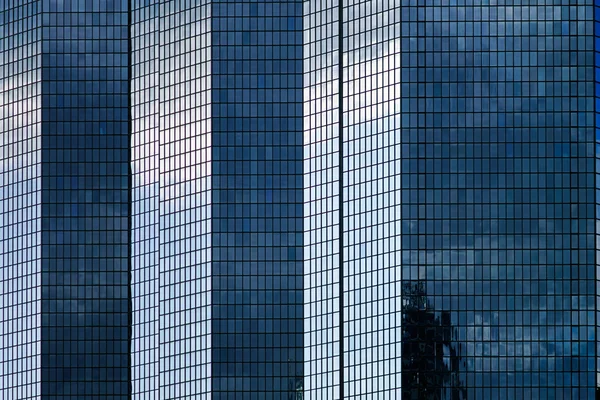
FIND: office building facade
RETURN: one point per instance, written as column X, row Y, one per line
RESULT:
column 217, row 199
column 298, row 199
column 65, row 200
column 450, row 156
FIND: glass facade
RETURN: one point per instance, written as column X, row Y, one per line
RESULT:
column 352, row 200
column 597, row 153
column 257, row 199
column 498, row 202
column 185, row 198
column 171, row 155
column 20, row 199
column 145, row 198
column 267, row 199
column 85, row 306
column 65, row 200
column 217, row 199
column 322, row 258
column 458, row 229
column 372, row 197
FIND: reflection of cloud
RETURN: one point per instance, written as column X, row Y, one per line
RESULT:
column 501, row 302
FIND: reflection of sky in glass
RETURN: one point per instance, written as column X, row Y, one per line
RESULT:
column 185, row 229
column 145, row 201
column 372, row 286
column 485, row 111
column 498, row 200
column 371, row 279
column 321, row 202
column 257, row 199
column 494, row 146
column 85, row 200
column 20, row 211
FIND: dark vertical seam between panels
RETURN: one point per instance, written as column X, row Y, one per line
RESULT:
column 595, row 34
column 210, row 133
column 341, row 189
column 129, row 203
column 41, row 81
column 159, row 56
column 399, row 234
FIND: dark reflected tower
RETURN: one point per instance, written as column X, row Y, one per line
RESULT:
column 431, row 361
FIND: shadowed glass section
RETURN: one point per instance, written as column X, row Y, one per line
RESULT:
column 85, row 209
column 597, row 164
column 498, row 216
column 257, row 199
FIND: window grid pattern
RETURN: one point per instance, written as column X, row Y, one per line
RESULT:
column 145, row 198
column 20, row 199
column 321, row 200
column 498, row 200
column 372, row 200
column 185, row 199
column 257, row 199
column 85, row 200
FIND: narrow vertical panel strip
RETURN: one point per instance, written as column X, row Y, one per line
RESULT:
column 597, row 170
column 321, row 200
column 144, row 199
column 341, row 227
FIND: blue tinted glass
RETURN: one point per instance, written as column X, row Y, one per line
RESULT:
column 257, row 190
column 85, row 238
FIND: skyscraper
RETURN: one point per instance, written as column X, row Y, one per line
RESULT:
column 352, row 201
column 450, row 200
column 298, row 199
column 217, row 199
column 64, row 200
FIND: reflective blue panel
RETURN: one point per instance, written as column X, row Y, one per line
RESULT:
column 85, row 200
column 498, row 214
column 257, row 199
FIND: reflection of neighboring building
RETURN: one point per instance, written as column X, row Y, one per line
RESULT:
column 431, row 360
column 285, row 199
column 296, row 390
